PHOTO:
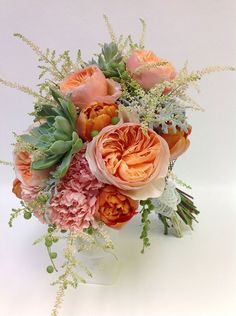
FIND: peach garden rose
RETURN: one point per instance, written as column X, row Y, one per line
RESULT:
column 178, row 142
column 133, row 160
column 24, row 172
column 89, row 85
column 148, row 78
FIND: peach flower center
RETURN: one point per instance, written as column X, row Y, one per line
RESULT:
column 131, row 155
column 78, row 78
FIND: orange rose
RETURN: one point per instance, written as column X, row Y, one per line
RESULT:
column 148, row 78
column 90, row 85
column 178, row 142
column 94, row 118
column 16, row 188
column 131, row 159
column 24, row 172
column 113, row 208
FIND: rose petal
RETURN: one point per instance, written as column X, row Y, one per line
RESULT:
column 154, row 189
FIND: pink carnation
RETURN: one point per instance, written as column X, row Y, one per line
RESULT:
column 73, row 204
column 29, row 192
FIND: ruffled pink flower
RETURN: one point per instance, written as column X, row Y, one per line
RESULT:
column 29, row 193
column 90, row 85
column 73, row 204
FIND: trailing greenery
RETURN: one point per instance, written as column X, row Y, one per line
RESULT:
column 147, row 208
column 25, row 209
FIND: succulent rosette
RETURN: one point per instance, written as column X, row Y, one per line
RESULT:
column 106, row 135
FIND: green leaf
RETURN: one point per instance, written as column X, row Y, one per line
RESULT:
column 47, row 110
column 77, row 146
column 29, row 139
column 59, row 135
column 64, row 166
column 62, row 125
column 46, row 163
column 72, row 111
column 56, row 95
column 69, row 111
column 60, row 147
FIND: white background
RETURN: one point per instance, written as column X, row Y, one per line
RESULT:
column 191, row 276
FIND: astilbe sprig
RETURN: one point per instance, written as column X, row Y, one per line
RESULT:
column 6, row 163
column 56, row 66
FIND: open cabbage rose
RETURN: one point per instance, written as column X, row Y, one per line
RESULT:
column 178, row 142
column 133, row 160
column 113, row 208
column 149, row 77
column 90, row 85
column 94, row 118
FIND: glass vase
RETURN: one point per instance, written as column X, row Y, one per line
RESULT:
column 103, row 264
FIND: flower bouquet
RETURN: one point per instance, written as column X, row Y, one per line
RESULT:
column 106, row 134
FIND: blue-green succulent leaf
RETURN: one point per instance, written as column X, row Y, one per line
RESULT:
column 60, row 147
column 46, row 163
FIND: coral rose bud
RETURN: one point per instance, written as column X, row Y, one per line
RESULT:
column 113, row 208
column 150, row 76
column 94, row 118
column 90, row 85
column 178, row 142
column 16, row 188
column 133, row 160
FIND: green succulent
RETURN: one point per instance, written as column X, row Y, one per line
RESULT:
column 57, row 138
column 110, row 61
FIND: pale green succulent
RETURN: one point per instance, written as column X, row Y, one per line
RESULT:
column 110, row 61
column 57, row 138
